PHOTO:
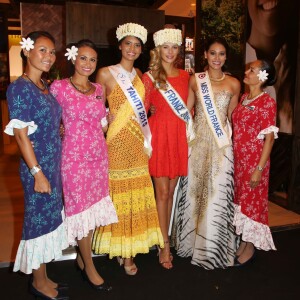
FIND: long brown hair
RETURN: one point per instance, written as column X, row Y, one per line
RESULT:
column 157, row 70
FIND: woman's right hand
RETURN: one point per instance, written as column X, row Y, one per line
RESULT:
column 41, row 183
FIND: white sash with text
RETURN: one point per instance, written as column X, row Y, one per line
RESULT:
column 210, row 109
column 178, row 107
column 136, row 103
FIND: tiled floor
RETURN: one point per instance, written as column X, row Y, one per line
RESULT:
column 11, row 207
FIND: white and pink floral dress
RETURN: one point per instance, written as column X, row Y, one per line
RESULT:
column 84, row 161
column 250, row 124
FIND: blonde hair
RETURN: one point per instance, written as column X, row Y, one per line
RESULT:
column 157, row 70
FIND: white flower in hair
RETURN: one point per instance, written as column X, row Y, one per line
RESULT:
column 72, row 53
column 27, row 44
column 262, row 75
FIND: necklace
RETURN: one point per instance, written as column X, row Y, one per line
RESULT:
column 217, row 79
column 80, row 90
column 247, row 100
column 41, row 89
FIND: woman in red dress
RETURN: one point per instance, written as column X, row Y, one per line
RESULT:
column 169, row 141
column 254, row 132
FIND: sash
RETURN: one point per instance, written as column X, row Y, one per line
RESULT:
column 136, row 103
column 210, row 109
column 178, row 107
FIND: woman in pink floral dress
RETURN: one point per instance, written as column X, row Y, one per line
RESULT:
column 254, row 132
column 84, row 157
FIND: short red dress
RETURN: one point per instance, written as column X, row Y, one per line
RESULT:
column 250, row 124
column 170, row 150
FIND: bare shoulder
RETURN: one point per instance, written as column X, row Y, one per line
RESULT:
column 192, row 82
column 234, row 83
column 103, row 75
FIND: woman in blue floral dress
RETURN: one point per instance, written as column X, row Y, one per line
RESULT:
column 35, row 117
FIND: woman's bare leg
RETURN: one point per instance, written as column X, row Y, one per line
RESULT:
column 85, row 252
column 41, row 282
column 162, row 191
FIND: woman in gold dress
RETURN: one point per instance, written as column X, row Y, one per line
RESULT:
column 204, row 212
column 129, row 142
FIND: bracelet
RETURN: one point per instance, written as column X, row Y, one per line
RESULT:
column 35, row 170
column 259, row 168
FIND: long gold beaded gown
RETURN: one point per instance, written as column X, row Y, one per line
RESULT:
column 204, row 211
column 130, row 184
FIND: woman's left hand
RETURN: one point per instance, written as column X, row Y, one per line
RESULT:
column 255, row 179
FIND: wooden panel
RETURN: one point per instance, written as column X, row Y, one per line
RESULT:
column 49, row 18
column 99, row 22
column 44, row 17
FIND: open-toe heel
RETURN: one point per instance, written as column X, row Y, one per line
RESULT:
column 165, row 263
column 129, row 270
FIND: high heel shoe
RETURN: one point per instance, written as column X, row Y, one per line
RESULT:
column 166, row 264
column 129, row 270
column 60, row 285
column 62, row 295
column 99, row 287
column 239, row 264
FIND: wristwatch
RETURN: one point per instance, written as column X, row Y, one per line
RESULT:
column 259, row 168
column 35, row 169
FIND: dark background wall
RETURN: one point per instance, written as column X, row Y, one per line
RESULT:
column 99, row 23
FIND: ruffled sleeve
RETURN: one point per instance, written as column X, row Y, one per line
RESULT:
column 267, row 116
column 15, row 123
column 265, row 131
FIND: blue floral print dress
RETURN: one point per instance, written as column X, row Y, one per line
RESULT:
column 44, row 234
